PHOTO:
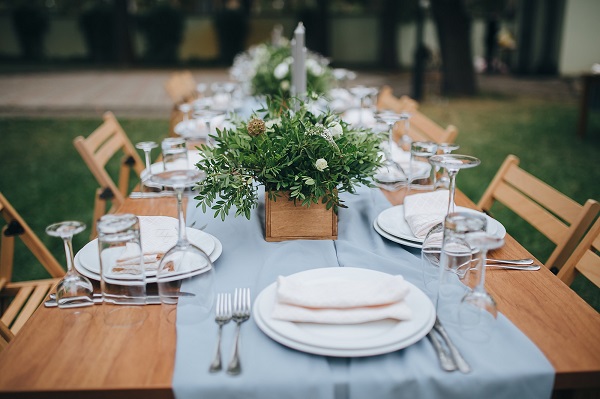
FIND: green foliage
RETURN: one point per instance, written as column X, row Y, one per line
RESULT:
column 269, row 68
column 298, row 152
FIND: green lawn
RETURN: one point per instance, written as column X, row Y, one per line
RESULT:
column 46, row 180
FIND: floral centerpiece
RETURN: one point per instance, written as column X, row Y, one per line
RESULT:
column 268, row 70
column 312, row 157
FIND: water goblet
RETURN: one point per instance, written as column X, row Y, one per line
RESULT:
column 453, row 163
column 147, row 147
column 73, row 290
column 206, row 117
column 185, row 275
column 185, row 108
column 442, row 180
column 478, row 312
column 405, row 139
column 363, row 93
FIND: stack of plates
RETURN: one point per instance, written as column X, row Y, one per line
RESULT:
column 87, row 260
column 158, row 167
column 392, row 225
column 346, row 340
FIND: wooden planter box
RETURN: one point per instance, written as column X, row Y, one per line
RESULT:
column 286, row 221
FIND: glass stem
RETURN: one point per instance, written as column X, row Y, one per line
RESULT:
column 480, row 283
column 451, row 189
column 68, row 244
column 182, row 233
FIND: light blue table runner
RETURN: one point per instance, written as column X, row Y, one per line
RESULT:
column 510, row 366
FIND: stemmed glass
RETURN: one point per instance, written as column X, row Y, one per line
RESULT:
column 206, row 116
column 185, row 275
column 147, row 147
column 432, row 244
column 362, row 93
column 453, row 163
column 74, row 290
column 391, row 172
column 444, row 181
column 477, row 310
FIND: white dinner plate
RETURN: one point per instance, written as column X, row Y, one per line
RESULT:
column 158, row 167
column 392, row 222
column 151, row 278
column 351, row 340
column 390, row 237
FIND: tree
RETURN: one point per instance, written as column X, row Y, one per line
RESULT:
column 453, row 23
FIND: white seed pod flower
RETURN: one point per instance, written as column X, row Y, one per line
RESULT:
column 321, row 164
column 281, row 70
column 335, row 129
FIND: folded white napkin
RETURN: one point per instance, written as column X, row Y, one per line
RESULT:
column 158, row 235
column 423, row 211
column 341, row 300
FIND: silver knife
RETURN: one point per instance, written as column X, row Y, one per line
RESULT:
column 445, row 359
column 460, row 361
column 51, row 303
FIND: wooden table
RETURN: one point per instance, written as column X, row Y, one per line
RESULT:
column 58, row 356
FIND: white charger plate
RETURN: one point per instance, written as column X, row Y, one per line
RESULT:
column 352, row 340
column 392, row 222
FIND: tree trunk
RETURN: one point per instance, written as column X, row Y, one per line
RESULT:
column 454, row 35
column 388, row 58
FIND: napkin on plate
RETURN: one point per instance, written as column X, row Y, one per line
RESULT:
column 341, row 300
column 158, row 234
column 423, row 211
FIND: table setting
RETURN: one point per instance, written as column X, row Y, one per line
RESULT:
column 382, row 304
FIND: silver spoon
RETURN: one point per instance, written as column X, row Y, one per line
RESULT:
column 527, row 261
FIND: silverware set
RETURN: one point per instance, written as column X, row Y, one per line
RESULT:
column 448, row 354
column 225, row 311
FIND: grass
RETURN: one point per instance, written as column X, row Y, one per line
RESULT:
column 46, row 180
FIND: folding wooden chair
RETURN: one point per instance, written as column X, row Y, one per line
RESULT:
column 181, row 87
column 422, row 128
column 18, row 300
column 585, row 259
column 559, row 218
column 97, row 150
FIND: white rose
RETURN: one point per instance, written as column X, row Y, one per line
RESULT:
column 336, row 129
column 321, row 164
column 281, row 70
column 285, row 85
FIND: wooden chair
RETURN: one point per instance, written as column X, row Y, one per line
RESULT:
column 97, row 150
column 585, row 259
column 422, row 128
column 18, row 300
column 181, row 87
column 559, row 218
column 387, row 101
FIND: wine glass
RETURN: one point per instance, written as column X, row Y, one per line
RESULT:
column 390, row 175
column 362, row 93
column 206, row 116
column 442, row 180
column 453, row 163
column 478, row 312
column 147, row 147
column 421, row 171
column 74, row 290
column 185, row 275
column 405, row 139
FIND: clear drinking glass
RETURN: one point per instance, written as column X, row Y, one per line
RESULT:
column 421, row 173
column 390, row 176
column 175, row 154
column 478, row 312
column 73, row 290
column 453, row 163
column 185, row 275
column 122, row 270
column 442, row 180
column 455, row 261
column 147, row 147
column 365, row 96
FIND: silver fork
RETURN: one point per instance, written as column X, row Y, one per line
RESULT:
column 223, row 314
column 241, row 313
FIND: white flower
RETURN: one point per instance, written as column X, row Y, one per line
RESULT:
column 272, row 122
column 285, row 85
column 321, row 164
column 314, row 67
column 289, row 60
column 336, row 129
column 281, row 70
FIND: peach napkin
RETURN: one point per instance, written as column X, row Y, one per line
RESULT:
column 423, row 211
column 341, row 300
